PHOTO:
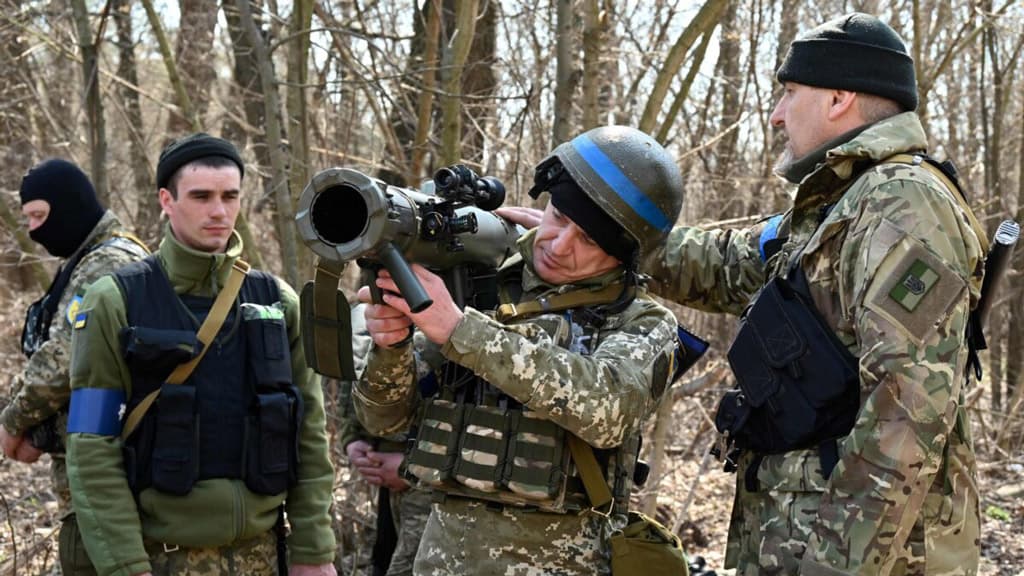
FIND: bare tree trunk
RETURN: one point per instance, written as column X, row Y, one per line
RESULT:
column 705, row 20
column 147, row 212
column 595, row 31
column 565, row 74
column 93, row 102
column 479, row 86
column 428, row 73
column 454, row 64
column 684, row 90
column 192, row 55
column 298, row 115
column 284, row 212
column 181, row 95
column 16, row 151
column 728, row 74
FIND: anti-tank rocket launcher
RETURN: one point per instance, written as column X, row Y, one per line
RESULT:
column 345, row 215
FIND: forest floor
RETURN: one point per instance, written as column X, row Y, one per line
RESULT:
column 29, row 517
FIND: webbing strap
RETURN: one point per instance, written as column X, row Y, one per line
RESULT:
column 211, row 325
column 332, row 333
column 559, row 302
column 919, row 160
column 478, row 471
column 533, row 476
column 598, row 493
column 486, row 444
column 430, row 460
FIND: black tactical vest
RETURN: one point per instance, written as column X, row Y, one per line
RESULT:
column 237, row 415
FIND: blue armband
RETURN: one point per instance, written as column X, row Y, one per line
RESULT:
column 96, row 411
column 770, row 232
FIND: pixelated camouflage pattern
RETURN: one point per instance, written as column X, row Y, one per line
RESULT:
column 903, row 498
column 603, row 397
column 43, row 387
column 409, row 508
column 468, row 537
column 254, row 557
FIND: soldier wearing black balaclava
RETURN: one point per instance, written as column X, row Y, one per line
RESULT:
column 66, row 218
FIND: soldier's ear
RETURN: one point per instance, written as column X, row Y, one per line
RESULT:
column 841, row 103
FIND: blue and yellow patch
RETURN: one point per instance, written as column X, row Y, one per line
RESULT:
column 73, row 307
column 79, row 322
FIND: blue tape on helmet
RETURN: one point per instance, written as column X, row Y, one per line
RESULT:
column 600, row 163
column 770, row 232
column 96, row 411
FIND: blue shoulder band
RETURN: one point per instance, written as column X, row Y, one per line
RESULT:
column 96, row 411
column 770, row 232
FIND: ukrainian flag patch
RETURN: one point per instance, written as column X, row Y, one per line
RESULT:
column 73, row 307
column 79, row 322
column 914, row 285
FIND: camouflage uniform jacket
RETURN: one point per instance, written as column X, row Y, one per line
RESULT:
column 903, row 498
column 43, row 388
column 216, row 512
column 603, row 397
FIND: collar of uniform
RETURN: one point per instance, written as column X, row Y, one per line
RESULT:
column 532, row 283
column 845, row 156
column 195, row 272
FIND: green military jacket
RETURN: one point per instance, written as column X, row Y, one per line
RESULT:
column 43, row 388
column 903, row 498
column 603, row 397
column 217, row 512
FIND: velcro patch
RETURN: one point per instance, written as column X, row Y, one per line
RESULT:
column 80, row 319
column 914, row 289
column 914, row 285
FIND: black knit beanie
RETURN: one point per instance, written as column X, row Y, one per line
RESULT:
column 572, row 201
column 854, row 52
column 193, row 147
column 74, row 209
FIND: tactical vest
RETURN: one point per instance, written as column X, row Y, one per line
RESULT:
column 474, row 441
column 237, row 415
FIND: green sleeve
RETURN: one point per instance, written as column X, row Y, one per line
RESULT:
column 309, row 501
column 107, row 516
column 711, row 270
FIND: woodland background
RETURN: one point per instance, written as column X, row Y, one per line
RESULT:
column 398, row 89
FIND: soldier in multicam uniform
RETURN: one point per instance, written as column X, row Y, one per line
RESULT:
column 201, row 485
column 894, row 267
column 65, row 217
column 378, row 461
column 576, row 348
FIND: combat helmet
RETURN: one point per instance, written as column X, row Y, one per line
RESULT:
column 628, row 175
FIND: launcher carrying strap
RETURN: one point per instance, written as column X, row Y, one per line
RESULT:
column 327, row 324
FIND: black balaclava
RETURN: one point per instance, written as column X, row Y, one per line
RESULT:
column 572, row 201
column 74, row 209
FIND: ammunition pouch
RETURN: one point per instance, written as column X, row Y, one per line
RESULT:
column 272, row 447
column 498, row 454
column 797, row 384
column 175, row 457
column 153, row 351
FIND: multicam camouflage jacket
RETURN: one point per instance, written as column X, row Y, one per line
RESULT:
column 43, row 388
column 603, row 396
column 903, row 498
